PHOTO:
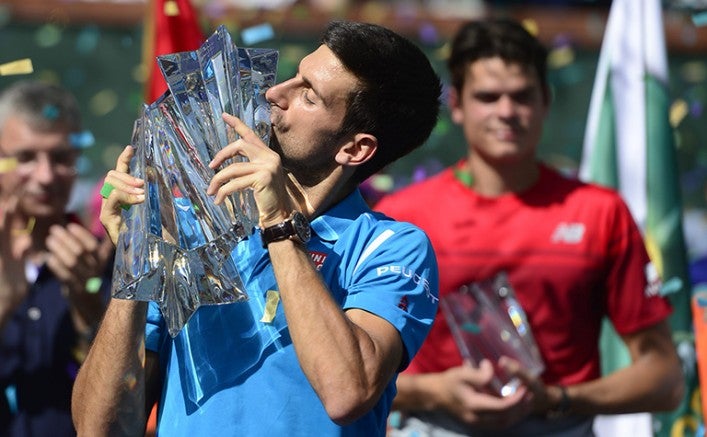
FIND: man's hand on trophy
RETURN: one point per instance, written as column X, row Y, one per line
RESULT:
column 262, row 172
column 120, row 190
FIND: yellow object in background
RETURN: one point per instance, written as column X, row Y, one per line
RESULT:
column 7, row 164
column 21, row 66
column 171, row 8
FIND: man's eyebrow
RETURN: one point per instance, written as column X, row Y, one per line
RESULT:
column 308, row 83
column 525, row 90
column 494, row 92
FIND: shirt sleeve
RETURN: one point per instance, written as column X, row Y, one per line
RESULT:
column 633, row 283
column 396, row 277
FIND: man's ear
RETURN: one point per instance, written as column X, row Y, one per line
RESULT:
column 454, row 102
column 357, row 151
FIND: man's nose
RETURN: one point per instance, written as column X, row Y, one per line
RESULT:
column 278, row 94
column 44, row 170
column 506, row 106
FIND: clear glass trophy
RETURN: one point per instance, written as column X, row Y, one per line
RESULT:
column 487, row 322
column 176, row 248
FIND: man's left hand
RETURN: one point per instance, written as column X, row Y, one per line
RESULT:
column 75, row 257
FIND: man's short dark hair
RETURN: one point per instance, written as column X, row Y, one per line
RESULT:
column 489, row 38
column 398, row 98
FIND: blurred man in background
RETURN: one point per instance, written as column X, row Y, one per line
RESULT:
column 571, row 251
column 53, row 287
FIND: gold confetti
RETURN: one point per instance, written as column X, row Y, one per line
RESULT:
column 171, row 8
column 21, row 66
column 28, row 229
column 272, row 298
column 561, row 57
column 531, row 26
column 678, row 111
column 7, row 164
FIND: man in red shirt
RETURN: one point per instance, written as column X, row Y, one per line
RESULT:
column 571, row 251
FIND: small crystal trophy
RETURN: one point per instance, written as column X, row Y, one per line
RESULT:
column 176, row 247
column 487, row 322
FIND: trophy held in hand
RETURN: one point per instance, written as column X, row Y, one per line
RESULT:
column 487, row 322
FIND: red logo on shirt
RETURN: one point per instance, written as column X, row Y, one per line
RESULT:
column 403, row 304
column 318, row 258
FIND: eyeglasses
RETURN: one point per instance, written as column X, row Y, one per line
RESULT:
column 61, row 161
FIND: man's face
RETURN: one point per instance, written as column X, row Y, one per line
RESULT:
column 307, row 112
column 44, row 174
column 501, row 110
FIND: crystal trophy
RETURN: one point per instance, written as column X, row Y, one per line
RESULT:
column 487, row 322
column 176, row 248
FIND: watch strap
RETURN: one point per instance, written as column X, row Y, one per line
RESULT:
column 280, row 231
column 287, row 229
column 563, row 407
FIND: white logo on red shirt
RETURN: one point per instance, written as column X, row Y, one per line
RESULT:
column 653, row 279
column 570, row 233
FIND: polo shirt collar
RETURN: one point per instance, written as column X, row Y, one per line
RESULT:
column 330, row 225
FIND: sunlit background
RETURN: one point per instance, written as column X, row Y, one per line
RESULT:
column 94, row 48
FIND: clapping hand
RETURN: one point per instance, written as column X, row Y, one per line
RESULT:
column 77, row 257
column 14, row 245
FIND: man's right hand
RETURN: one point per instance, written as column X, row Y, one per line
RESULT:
column 262, row 172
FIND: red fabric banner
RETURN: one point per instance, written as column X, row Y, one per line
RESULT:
column 171, row 26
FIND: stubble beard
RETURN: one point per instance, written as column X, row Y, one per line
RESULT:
column 311, row 168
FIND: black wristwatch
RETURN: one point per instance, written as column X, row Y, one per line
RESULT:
column 563, row 407
column 296, row 228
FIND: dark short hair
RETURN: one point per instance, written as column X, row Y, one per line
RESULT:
column 42, row 105
column 489, row 38
column 399, row 95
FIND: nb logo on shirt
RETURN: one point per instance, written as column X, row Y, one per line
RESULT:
column 570, row 233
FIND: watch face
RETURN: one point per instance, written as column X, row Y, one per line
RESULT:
column 301, row 225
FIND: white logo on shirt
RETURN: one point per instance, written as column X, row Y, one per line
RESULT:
column 570, row 233
column 653, row 279
column 318, row 258
column 408, row 273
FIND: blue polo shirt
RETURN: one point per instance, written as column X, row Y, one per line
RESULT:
column 232, row 370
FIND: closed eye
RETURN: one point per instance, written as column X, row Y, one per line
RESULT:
column 485, row 97
column 306, row 96
column 523, row 96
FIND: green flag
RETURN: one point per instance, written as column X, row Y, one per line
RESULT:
column 629, row 146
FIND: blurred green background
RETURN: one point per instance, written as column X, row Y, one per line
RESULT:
column 101, row 63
